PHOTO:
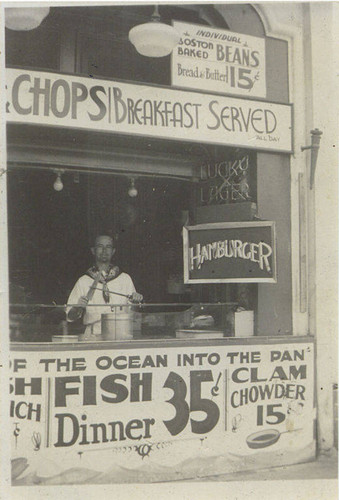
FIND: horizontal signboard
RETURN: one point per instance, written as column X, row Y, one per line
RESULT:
column 116, row 414
column 230, row 252
column 102, row 105
column 217, row 60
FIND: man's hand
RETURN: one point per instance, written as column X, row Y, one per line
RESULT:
column 83, row 301
column 76, row 311
column 136, row 298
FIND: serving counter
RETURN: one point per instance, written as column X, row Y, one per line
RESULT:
column 159, row 409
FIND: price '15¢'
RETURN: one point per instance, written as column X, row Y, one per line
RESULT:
column 270, row 414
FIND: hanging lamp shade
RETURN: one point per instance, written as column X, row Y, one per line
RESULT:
column 25, row 19
column 154, row 39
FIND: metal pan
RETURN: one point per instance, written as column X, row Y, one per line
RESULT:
column 262, row 439
column 265, row 438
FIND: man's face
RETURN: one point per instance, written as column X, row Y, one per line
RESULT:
column 103, row 250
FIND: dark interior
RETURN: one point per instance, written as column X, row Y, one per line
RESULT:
column 50, row 248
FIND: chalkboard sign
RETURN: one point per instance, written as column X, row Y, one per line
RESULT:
column 230, row 252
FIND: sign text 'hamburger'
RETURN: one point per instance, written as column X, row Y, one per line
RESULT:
column 230, row 252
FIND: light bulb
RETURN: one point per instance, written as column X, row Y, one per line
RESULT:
column 132, row 192
column 58, row 185
column 154, row 39
column 25, row 19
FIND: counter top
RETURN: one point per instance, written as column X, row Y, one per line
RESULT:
column 154, row 342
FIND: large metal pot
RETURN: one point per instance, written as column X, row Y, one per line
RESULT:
column 117, row 326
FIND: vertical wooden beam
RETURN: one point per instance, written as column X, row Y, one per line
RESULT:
column 320, row 33
column 302, row 245
column 6, row 429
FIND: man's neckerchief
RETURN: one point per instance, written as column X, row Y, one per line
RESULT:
column 112, row 273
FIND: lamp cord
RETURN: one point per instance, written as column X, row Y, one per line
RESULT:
column 156, row 15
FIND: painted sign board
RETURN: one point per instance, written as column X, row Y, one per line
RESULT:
column 218, row 60
column 128, row 413
column 230, row 252
column 71, row 101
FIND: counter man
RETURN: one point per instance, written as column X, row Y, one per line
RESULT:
column 103, row 285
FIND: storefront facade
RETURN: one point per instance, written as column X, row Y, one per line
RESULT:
column 231, row 158
column 205, row 158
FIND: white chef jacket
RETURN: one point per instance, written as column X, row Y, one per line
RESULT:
column 92, row 317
